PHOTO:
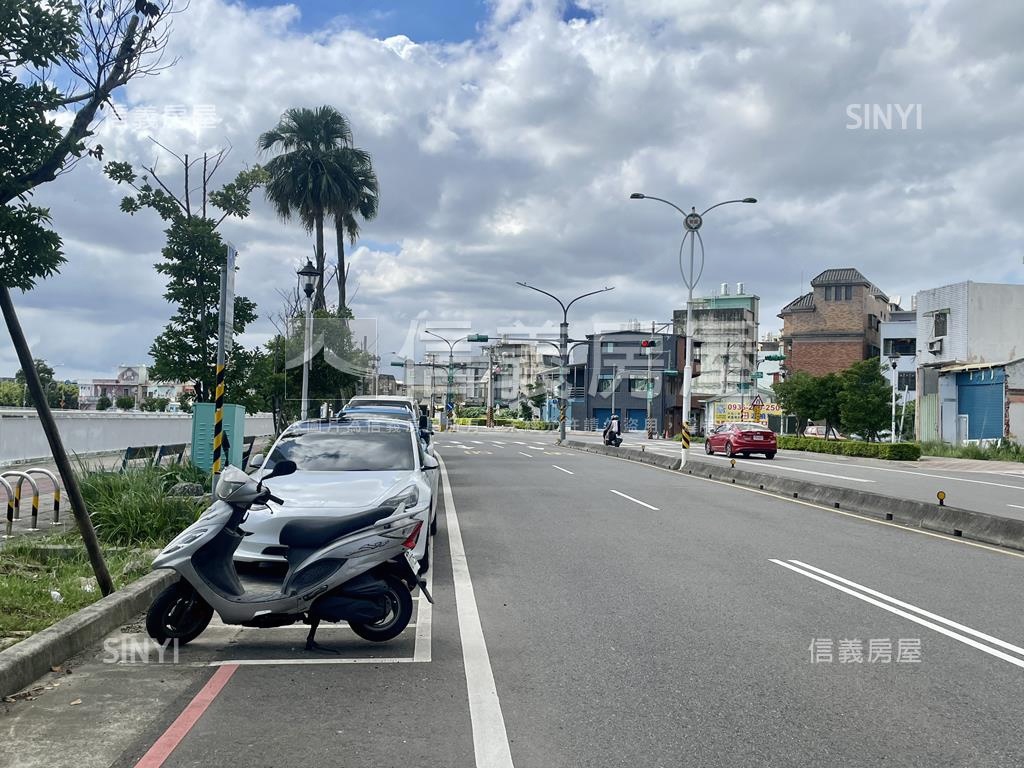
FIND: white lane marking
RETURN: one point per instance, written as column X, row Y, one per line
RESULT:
column 1015, row 506
column 478, row 442
column 490, row 740
column 519, row 442
column 916, row 619
column 495, row 442
column 527, row 455
column 801, row 471
column 909, row 472
column 911, row 607
column 637, row 501
column 563, row 470
column 425, row 614
column 537, row 447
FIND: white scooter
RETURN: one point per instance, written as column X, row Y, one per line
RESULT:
column 358, row 569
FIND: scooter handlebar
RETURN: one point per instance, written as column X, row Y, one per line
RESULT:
column 275, row 499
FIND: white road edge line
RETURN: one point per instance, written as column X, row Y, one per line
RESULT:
column 425, row 614
column 789, row 455
column 916, row 619
column 794, row 469
column 915, row 609
column 560, row 469
column 490, row 739
column 636, row 501
column 1015, row 506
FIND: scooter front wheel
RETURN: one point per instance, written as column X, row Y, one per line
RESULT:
column 395, row 620
column 179, row 613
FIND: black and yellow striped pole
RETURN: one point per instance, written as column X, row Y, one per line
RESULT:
column 224, row 337
column 218, row 418
column 684, row 439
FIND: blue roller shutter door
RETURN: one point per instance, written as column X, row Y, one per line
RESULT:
column 980, row 396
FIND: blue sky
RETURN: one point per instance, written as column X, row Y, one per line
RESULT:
column 420, row 20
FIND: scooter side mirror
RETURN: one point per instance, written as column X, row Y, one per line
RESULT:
column 285, row 467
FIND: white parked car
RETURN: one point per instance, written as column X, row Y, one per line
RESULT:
column 344, row 467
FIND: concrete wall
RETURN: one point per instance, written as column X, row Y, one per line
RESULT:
column 995, row 323
column 954, row 344
column 22, row 438
column 1015, row 401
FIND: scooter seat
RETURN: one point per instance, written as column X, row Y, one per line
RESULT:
column 319, row 531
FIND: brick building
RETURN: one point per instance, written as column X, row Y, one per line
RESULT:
column 835, row 325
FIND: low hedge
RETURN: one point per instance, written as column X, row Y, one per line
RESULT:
column 516, row 423
column 891, row 451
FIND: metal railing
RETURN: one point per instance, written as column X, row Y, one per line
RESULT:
column 14, row 501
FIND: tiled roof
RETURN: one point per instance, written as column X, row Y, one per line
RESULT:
column 804, row 302
column 841, row 277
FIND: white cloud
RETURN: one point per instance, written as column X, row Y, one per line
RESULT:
column 512, row 157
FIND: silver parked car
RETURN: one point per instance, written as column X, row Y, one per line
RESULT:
column 344, row 466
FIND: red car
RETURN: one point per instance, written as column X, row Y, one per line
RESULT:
column 743, row 439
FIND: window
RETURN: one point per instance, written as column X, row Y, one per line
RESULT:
column 607, row 346
column 849, row 292
column 638, row 384
column 828, row 293
column 941, row 320
column 899, row 347
column 906, row 380
column 604, row 382
column 872, row 322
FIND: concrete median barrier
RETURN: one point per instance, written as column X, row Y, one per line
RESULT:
column 952, row 521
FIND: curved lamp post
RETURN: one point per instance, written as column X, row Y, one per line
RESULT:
column 692, row 222
column 563, row 347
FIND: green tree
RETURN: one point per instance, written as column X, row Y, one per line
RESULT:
column 319, row 173
column 799, row 394
column 63, row 395
column 192, row 260
column 828, row 392
column 908, row 418
column 45, row 374
column 185, row 402
column 103, row 403
column 125, row 402
column 155, row 404
column 865, row 399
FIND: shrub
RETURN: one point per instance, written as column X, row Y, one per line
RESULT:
column 891, row 451
column 132, row 507
column 1004, row 450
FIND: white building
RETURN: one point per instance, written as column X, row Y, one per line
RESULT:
column 899, row 337
column 970, row 343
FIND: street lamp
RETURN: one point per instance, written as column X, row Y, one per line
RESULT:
column 692, row 223
column 449, row 402
column 309, row 276
column 563, row 347
column 894, row 361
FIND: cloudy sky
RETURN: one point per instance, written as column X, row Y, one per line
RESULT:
column 508, row 134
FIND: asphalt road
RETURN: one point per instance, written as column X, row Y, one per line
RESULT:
column 596, row 612
column 990, row 487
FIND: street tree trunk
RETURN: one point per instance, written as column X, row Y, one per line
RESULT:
column 339, row 234
column 67, row 475
column 319, row 299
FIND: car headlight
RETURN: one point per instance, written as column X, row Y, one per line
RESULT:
column 410, row 497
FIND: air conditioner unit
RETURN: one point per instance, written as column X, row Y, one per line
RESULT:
column 935, row 346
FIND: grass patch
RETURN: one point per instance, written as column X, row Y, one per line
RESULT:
column 1004, row 450
column 132, row 508
column 28, row 575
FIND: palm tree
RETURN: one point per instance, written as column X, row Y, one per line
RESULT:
column 363, row 202
column 310, row 176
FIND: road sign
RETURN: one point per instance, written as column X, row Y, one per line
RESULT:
column 757, row 375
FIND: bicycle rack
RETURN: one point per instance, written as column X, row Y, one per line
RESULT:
column 55, row 520
column 22, row 477
column 10, row 506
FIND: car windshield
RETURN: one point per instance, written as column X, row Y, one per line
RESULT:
column 347, row 448
column 377, row 413
column 748, row 427
column 379, row 404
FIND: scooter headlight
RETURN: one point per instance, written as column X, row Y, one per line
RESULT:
column 410, row 497
column 227, row 487
column 183, row 540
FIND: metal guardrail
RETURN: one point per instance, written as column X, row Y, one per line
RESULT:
column 155, row 454
column 10, row 507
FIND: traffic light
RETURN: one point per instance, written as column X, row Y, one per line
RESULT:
column 649, row 343
column 477, row 337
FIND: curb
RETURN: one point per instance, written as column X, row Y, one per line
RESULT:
column 951, row 521
column 27, row 661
